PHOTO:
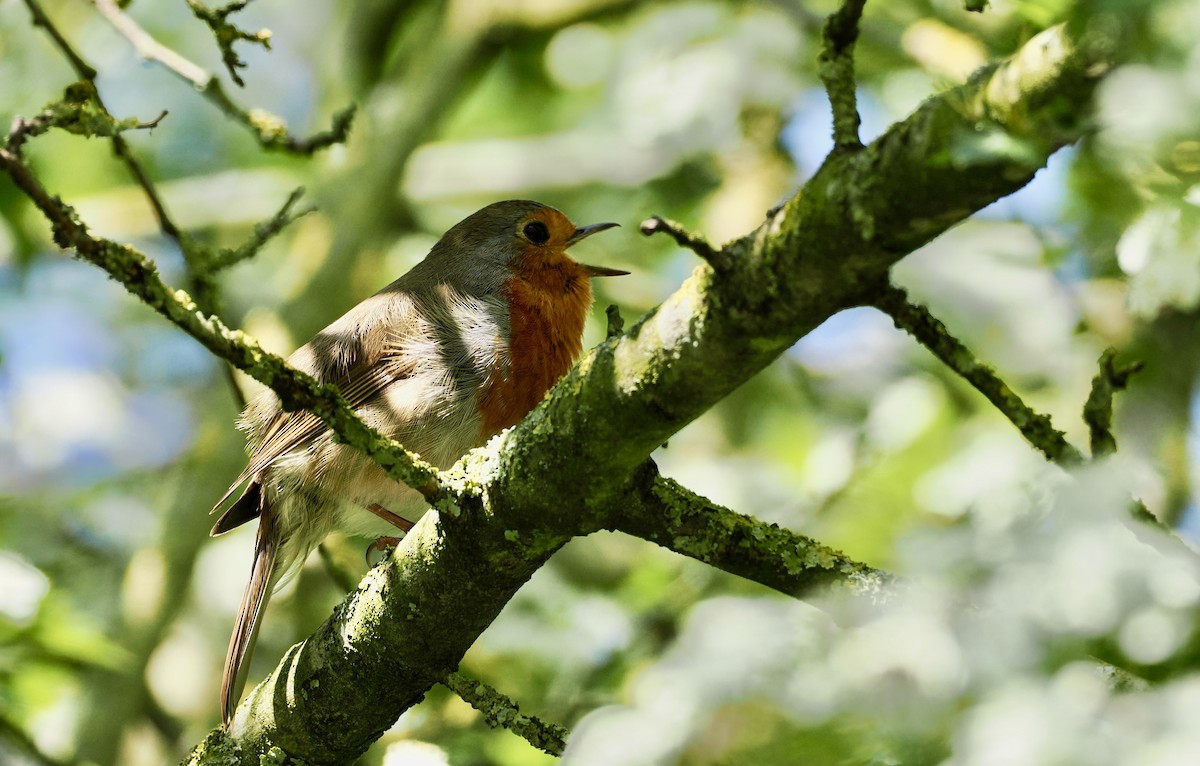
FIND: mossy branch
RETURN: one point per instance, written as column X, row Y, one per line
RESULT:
column 1098, row 409
column 501, row 711
column 296, row 390
column 227, row 34
column 837, row 72
column 1036, row 427
column 661, row 511
column 269, row 129
column 718, row 259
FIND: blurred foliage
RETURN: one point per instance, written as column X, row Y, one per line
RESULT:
column 116, row 431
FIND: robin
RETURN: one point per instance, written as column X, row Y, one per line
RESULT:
column 459, row 348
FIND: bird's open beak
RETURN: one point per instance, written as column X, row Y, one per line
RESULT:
column 583, row 232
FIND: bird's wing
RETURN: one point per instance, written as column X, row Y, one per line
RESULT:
column 362, row 367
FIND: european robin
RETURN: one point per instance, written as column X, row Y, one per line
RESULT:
column 462, row 346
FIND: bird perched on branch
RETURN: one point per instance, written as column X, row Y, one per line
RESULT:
column 462, row 346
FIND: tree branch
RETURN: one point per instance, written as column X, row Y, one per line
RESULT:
column 718, row 259
column 1097, row 411
column 263, row 233
column 1037, row 428
column 837, row 72
column 826, row 249
column 227, row 34
column 823, row 251
column 296, row 390
column 662, row 511
column 500, row 711
column 269, row 129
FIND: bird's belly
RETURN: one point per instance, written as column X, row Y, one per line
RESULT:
column 439, row 438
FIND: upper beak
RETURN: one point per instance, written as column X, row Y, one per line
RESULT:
column 583, row 232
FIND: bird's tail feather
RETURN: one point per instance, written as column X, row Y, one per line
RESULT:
column 254, row 600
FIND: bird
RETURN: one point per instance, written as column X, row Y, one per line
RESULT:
column 460, row 347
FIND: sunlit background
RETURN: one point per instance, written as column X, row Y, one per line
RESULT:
column 116, row 430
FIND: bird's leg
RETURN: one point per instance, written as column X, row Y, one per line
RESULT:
column 383, row 543
column 394, row 519
column 380, row 546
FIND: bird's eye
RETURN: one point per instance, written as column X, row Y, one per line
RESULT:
column 536, row 232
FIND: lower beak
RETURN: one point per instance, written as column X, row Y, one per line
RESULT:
column 602, row 271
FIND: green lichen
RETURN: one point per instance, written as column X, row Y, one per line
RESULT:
column 271, row 128
column 217, row 749
column 276, row 757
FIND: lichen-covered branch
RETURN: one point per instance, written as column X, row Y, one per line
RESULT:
column 1036, row 427
column 1097, row 410
column 500, row 711
column 78, row 111
column 227, row 34
column 662, row 511
column 837, row 72
column 269, row 129
column 140, row 277
column 694, row 242
column 263, row 233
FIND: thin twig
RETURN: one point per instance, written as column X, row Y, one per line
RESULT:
column 194, row 255
column 297, row 390
column 268, row 128
column 837, row 72
column 499, row 710
column 149, row 48
column 1098, row 410
column 1037, row 428
column 263, row 233
column 227, row 34
column 616, row 323
column 40, row 19
column 1034, row 426
column 718, row 259
column 120, row 147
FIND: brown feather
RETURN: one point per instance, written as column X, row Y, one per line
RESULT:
column 245, row 630
column 243, row 509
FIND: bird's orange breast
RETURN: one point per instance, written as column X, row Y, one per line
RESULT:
column 548, row 301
